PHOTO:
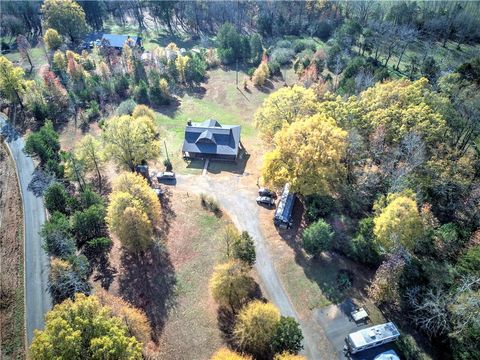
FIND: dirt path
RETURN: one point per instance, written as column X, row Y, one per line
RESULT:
column 238, row 201
column 12, row 331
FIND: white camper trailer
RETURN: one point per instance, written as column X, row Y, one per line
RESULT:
column 371, row 337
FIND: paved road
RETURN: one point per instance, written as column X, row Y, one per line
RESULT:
column 239, row 203
column 37, row 298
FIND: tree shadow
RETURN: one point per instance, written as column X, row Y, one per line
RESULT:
column 267, row 88
column 105, row 272
column 324, row 269
column 168, row 214
column 195, row 163
column 148, row 281
column 169, row 110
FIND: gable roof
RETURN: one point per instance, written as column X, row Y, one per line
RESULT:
column 210, row 137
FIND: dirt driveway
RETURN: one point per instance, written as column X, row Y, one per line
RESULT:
column 237, row 198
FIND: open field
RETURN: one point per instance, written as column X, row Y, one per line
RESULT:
column 11, row 262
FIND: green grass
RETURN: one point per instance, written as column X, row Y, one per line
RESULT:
column 38, row 58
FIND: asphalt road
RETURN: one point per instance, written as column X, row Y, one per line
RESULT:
column 37, row 297
column 239, row 203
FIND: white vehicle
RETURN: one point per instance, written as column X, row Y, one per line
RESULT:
column 166, row 175
column 371, row 337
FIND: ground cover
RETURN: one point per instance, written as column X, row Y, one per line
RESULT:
column 11, row 262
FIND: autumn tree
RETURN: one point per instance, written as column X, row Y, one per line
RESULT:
column 181, row 64
column 288, row 356
column 256, row 326
column 284, row 107
column 133, row 212
column 227, row 354
column 385, row 286
column 231, row 285
column 317, row 237
column 130, row 141
column 52, row 39
column 318, row 139
column 82, row 329
column 261, row 74
column 397, row 221
column 90, row 152
column 12, row 82
column 134, row 319
column 65, row 16
column 68, row 277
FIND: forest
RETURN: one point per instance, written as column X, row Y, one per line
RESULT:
column 370, row 110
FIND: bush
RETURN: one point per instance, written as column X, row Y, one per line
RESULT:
column 55, row 168
column 196, row 69
column 57, row 198
column 93, row 111
column 282, row 55
column 287, row 44
column 168, row 165
column 250, row 71
column 120, row 86
column 319, row 207
column 210, row 204
column 100, row 244
column 243, row 248
column 317, row 237
column 126, row 107
column 274, row 68
column 304, row 44
column 260, row 75
column 140, row 93
column 288, row 336
column 344, row 279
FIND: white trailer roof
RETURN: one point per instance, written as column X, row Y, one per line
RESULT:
column 373, row 334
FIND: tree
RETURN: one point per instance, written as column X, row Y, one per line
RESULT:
column 24, row 48
column 226, row 354
column 90, row 152
column 317, row 138
column 397, row 221
column 68, row 277
column 65, row 16
column 83, row 329
column 57, row 237
column 288, row 336
column 134, row 319
column 385, row 286
column 317, row 237
column 261, row 74
column 229, row 44
column 55, row 95
column 231, row 285
column 57, row 198
column 130, row 141
column 288, row 356
column 255, row 327
column 196, row 69
column 243, row 248
column 469, row 262
column 12, row 82
column 43, row 144
column 89, row 223
column 143, row 110
column 256, row 48
column 181, row 63
column 284, row 107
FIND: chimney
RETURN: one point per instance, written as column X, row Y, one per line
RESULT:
column 189, row 123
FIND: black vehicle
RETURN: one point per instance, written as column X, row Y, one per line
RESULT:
column 265, row 200
column 266, row 192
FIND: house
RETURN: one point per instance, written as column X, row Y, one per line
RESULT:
column 111, row 40
column 283, row 213
column 211, row 140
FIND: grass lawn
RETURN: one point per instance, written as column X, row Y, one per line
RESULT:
column 38, row 58
column 195, row 244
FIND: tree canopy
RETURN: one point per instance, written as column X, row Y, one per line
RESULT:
column 317, row 139
column 82, row 329
column 65, row 16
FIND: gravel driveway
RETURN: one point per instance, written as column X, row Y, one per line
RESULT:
column 239, row 203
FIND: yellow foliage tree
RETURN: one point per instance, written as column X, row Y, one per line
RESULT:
column 136, row 186
column 288, row 356
column 143, row 110
column 52, row 39
column 59, row 61
column 308, row 154
column 130, row 141
column 90, row 153
column 256, row 326
column 181, row 64
column 261, row 74
column 230, row 284
column 226, row 354
column 283, row 107
column 83, row 329
column 397, row 221
column 134, row 319
column 400, row 106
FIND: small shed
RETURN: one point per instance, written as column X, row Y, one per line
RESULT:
column 210, row 139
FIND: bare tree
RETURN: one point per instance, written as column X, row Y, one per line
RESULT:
column 24, row 47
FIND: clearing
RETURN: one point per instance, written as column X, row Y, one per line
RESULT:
column 12, row 337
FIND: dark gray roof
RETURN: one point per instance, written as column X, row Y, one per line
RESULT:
column 284, row 209
column 209, row 137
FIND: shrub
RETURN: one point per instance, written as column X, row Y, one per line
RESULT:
column 168, row 165
column 260, row 75
column 196, row 69
column 287, row 44
column 243, row 248
column 363, row 247
column 210, row 204
column 120, row 86
column 126, row 107
column 317, row 237
column 319, row 207
column 52, row 39
column 44, row 143
column 140, row 93
column 288, row 336
column 93, row 111
column 282, row 55
column 344, row 279
column 99, row 245
column 274, row 68
column 250, row 71
column 57, row 198
column 304, row 44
